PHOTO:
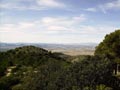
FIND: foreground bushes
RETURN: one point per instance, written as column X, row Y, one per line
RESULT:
column 92, row 73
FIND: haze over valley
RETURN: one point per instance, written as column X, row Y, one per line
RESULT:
column 69, row 49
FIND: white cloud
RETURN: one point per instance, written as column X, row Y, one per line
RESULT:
column 46, row 23
column 2, row 14
column 44, row 30
column 65, row 21
column 91, row 9
column 36, row 4
column 114, row 5
column 17, row 6
column 16, row 27
column 54, row 30
column 98, row 29
column 26, row 25
column 80, row 18
column 50, row 3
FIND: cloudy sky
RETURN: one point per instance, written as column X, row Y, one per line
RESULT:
column 58, row 21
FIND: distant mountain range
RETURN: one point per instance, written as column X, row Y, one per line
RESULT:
column 71, row 49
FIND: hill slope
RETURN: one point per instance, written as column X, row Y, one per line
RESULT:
column 27, row 56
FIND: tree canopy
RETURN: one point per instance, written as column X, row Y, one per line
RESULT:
column 110, row 46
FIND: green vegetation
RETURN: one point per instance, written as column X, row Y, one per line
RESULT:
column 33, row 68
column 110, row 48
column 110, row 45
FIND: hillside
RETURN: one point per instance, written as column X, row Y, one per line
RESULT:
column 20, row 63
column 28, row 56
column 69, row 49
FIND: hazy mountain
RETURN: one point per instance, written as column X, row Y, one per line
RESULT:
column 70, row 49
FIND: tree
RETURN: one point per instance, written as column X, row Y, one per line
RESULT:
column 110, row 48
column 6, row 83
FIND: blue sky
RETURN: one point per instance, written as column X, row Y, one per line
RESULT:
column 58, row 21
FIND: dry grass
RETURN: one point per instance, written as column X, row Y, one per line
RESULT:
column 75, row 52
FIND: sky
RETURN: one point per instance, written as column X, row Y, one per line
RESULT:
column 58, row 21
